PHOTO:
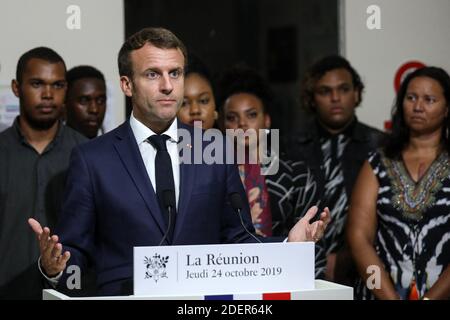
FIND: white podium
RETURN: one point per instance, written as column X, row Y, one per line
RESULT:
column 323, row 290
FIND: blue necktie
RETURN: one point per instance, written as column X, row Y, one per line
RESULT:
column 164, row 177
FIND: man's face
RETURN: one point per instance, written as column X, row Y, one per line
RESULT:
column 157, row 85
column 335, row 99
column 41, row 93
column 86, row 105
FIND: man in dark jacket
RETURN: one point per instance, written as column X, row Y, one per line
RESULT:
column 327, row 155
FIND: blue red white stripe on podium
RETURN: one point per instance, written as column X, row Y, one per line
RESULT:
column 252, row 296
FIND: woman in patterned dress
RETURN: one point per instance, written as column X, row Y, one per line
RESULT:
column 399, row 219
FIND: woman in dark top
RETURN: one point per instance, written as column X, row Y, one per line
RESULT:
column 245, row 102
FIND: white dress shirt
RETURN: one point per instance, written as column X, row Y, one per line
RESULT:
column 148, row 152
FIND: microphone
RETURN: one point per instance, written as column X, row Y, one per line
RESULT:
column 168, row 203
column 237, row 204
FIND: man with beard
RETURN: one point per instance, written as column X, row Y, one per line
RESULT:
column 34, row 157
column 85, row 100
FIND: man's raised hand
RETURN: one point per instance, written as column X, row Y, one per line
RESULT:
column 305, row 231
column 53, row 261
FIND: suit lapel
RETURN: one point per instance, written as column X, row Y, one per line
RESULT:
column 187, row 180
column 187, row 175
column 130, row 155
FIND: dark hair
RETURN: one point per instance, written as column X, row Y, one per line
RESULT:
column 318, row 70
column 196, row 65
column 42, row 53
column 399, row 136
column 242, row 79
column 82, row 72
column 158, row 37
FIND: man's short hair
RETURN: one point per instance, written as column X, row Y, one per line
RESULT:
column 82, row 72
column 42, row 53
column 318, row 70
column 158, row 37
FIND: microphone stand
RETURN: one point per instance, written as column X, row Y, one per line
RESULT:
column 245, row 228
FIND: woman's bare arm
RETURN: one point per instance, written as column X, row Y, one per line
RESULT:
column 361, row 231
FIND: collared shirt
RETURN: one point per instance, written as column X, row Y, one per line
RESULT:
column 31, row 185
column 148, row 152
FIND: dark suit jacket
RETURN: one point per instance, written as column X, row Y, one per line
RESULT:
column 306, row 149
column 110, row 206
column 305, row 146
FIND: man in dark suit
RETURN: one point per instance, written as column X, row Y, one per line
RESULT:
column 113, row 195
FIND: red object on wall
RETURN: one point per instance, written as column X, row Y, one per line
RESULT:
column 404, row 70
column 387, row 125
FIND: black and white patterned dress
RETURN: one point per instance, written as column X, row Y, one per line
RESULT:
column 413, row 232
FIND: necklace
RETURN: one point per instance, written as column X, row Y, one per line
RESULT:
column 410, row 198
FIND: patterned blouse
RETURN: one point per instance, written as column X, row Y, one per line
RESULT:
column 270, row 194
column 334, row 196
column 413, row 232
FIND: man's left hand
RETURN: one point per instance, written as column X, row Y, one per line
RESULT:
column 305, row 231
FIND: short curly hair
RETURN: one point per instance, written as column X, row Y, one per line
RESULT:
column 243, row 79
column 42, row 53
column 82, row 72
column 318, row 70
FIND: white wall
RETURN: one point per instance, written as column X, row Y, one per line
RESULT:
column 25, row 24
column 410, row 30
